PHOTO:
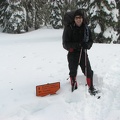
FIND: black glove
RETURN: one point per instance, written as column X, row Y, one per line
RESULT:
column 84, row 45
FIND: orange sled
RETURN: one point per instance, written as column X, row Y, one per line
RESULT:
column 46, row 89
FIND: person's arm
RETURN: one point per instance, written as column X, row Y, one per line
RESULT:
column 88, row 44
column 90, row 41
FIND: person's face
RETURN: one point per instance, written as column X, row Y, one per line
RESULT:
column 78, row 20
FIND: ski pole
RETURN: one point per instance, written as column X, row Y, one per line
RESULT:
column 80, row 56
column 86, row 63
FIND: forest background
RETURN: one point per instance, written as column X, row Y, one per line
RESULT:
column 20, row 16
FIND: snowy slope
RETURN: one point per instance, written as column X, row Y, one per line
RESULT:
column 35, row 58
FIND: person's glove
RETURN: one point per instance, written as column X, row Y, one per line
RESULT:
column 71, row 50
column 84, row 45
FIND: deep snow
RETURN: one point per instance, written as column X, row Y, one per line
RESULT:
column 36, row 58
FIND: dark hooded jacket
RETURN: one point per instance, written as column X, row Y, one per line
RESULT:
column 74, row 36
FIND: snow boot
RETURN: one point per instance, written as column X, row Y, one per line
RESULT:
column 91, row 89
column 73, row 83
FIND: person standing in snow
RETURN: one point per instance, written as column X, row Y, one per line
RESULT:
column 77, row 38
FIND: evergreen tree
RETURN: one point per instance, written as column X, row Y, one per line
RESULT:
column 83, row 4
column 36, row 11
column 103, row 20
column 46, row 13
column 28, row 5
column 15, row 17
column 3, row 6
column 118, row 26
column 40, row 13
column 37, row 16
column 69, row 5
column 56, row 15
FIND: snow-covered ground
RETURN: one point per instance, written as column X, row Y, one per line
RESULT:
column 36, row 58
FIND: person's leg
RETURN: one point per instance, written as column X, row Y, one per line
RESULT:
column 88, row 72
column 73, row 65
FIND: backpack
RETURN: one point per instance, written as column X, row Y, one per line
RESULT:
column 68, row 18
